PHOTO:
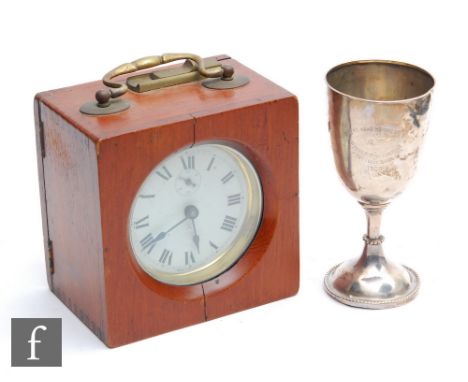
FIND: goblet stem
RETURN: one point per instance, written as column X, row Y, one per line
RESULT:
column 374, row 220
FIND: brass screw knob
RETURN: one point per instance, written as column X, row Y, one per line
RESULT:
column 228, row 73
column 103, row 97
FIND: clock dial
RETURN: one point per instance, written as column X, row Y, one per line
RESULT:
column 195, row 214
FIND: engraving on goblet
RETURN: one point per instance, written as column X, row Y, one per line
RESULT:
column 378, row 120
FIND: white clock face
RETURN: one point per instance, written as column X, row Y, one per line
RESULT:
column 195, row 214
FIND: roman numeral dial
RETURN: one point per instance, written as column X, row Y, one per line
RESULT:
column 164, row 173
column 195, row 214
column 226, row 178
column 189, row 258
column 166, row 257
column 188, row 162
column 228, row 223
column 147, row 243
column 142, row 223
column 233, row 199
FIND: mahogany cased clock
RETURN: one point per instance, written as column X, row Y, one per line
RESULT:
column 173, row 198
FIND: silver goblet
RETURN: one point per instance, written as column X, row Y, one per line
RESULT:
column 378, row 119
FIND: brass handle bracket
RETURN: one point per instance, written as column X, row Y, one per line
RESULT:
column 108, row 100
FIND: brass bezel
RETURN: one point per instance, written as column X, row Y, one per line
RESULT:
column 236, row 250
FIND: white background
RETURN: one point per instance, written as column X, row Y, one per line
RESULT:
column 46, row 45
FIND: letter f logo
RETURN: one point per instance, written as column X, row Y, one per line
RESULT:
column 33, row 342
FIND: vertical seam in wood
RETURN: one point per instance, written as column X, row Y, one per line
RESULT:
column 103, row 335
column 43, row 154
column 194, row 125
column 50, row 256
column 41, row 134
column 204, row 302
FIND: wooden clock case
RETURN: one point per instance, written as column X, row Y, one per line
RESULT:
column 90, row 169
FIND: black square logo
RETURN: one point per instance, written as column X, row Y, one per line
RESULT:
column 36, row 342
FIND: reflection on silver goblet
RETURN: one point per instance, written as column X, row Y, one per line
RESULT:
column 378, row 119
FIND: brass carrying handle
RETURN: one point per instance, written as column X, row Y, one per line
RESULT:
column 118, row 89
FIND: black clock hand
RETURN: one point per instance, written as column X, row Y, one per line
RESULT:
column 191, row 212
column 196, row 238
column 175, row 226
column 163, row 234
column 188, row 181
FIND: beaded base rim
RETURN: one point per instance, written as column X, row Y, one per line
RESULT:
column 374, row 303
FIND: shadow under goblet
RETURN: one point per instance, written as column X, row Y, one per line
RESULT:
column 378, row 120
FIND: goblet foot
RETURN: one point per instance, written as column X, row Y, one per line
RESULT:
column 372, row 282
